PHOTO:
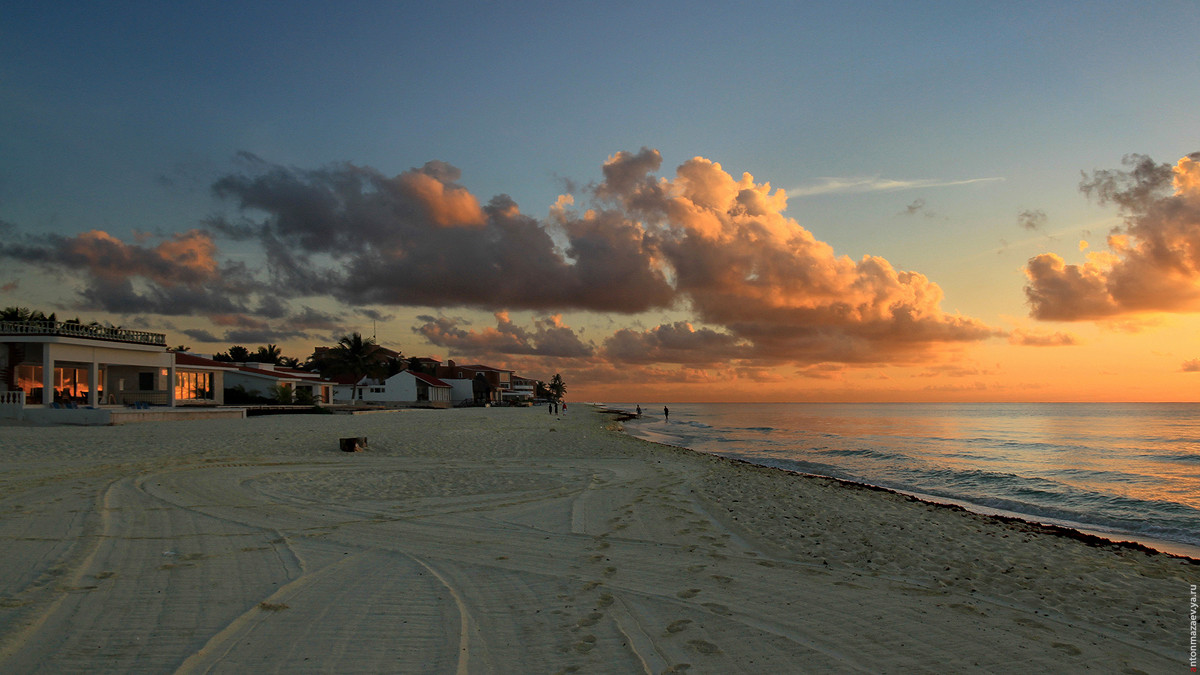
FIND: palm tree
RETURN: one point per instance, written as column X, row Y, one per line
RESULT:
column 352, row 356
column 269, row 354
column 15, row 314
column 24, row 314
column 558, row 386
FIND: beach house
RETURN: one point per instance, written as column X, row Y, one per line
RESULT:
column 83, row 371
column 55, row 363
column 479, row 383
column 408, row 389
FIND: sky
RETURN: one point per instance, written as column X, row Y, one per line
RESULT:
column 761, row 201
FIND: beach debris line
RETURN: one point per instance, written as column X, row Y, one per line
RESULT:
column 354, row 444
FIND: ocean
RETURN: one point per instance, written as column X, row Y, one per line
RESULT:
column 1128, row 471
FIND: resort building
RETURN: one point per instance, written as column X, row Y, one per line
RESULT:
column 67, row 372
column 70, row 364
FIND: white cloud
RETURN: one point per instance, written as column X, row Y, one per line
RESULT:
column 850, row 185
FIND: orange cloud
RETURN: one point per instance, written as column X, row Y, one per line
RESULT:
column 445, row 205
column 743, row 265
column 1036, row 339
column 185, row 258
column 1153, row 261
column 549, row 337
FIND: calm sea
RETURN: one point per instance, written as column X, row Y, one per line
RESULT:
column 1125, row 471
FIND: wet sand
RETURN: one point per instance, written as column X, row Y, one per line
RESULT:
column 508, row 540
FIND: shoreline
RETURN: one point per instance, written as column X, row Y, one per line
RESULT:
column 1071, row 529
column 506, row 539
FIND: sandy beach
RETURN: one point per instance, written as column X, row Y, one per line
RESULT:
column 512, row 541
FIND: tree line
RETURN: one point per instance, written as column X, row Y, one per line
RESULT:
column 354, row 355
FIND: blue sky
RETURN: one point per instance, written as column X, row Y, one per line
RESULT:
column 917, row 132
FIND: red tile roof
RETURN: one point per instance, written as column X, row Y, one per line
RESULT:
column 429, row 379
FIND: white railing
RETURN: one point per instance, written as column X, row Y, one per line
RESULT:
column 13, row 398
column 91, row 331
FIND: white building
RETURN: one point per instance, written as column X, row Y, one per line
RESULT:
column 408, row 389
column 60, row 372
column 264, row 379
column 54, row 364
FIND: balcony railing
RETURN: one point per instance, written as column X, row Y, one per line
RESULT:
column 79, row 330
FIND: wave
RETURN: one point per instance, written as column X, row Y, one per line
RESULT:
column 1120, row 469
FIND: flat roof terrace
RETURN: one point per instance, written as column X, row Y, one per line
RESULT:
column 79, row 330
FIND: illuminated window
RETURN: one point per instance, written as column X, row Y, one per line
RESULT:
column 190, row 386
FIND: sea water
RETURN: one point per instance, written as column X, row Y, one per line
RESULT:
column 1124, row 471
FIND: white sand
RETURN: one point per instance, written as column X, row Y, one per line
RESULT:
column 506, row 541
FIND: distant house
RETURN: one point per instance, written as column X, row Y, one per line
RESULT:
column 523, row 389
column 409, row 389
column 263, row 379
column 351, row 388
column 376, row 356
column 319, row 388
column 480, row 383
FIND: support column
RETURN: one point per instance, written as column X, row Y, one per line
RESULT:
column 171, row 384
column 47, row 375
column 94, row 383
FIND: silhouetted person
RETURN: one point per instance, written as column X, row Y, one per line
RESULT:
column 639, row 410
column 666, row 414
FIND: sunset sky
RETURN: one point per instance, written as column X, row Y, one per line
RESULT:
column 693, row 201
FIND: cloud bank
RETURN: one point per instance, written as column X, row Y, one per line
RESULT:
column 1153, row 261
column 759, row 288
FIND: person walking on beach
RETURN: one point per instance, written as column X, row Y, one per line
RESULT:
column 550, row 408
column 666, row 414
column 639, row 410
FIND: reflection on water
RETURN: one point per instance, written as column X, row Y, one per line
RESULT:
column 1121, row 468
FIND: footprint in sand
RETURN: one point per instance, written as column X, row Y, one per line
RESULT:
column 1069, row 649
column 717, row 608
column 704, row 647
column 689, row 593
column 678, row 626
column 590, row 620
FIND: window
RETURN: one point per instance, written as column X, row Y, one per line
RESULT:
column 29, row 380
column 145, row 381
column 190, row 386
